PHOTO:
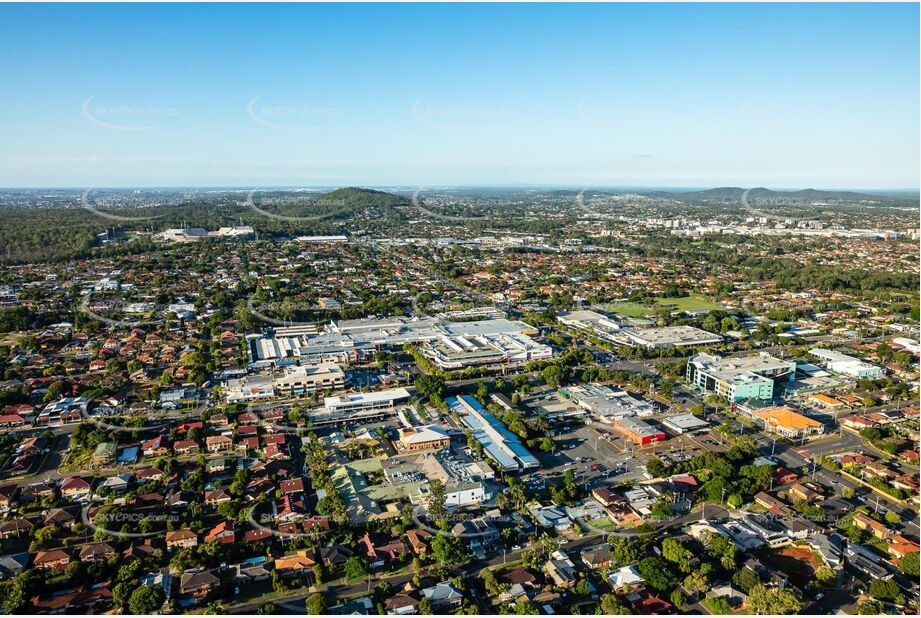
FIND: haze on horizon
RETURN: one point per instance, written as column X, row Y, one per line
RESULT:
column 782, row 96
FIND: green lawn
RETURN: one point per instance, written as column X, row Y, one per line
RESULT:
column 687, row 303
column 602, row 523
column 631, row 310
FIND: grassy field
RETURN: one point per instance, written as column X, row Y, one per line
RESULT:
column 10, row 339
column 687, row 303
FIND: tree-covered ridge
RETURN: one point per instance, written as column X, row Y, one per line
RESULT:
column 50, row 235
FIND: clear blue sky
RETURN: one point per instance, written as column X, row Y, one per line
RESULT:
column 778, row 95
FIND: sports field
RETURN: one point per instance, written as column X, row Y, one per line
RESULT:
column 685, row 303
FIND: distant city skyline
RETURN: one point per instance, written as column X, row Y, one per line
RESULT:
column 657, row 96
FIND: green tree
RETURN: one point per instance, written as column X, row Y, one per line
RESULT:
column 436, row 499
column 696, row 582
column 355, row 568
column 623, row 552
column 677, row 598
column 909, row 564
column 884, row 589
column 448, row 549
column 489, row 581
column 655, row 573
column 656, row 467
column 146, row 599
column 553, row 375
column 825, row 576
column 764, row 600
column 870, row 607
column 15, row 592
column 610, row 605
column 746, row 579
column 429, row 385
column 675, row 552
column 316, row 604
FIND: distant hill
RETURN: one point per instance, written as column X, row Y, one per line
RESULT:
column 339, row 204
column 724, row 194
column 360, row 198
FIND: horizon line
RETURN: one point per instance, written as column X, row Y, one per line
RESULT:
column 572, row 186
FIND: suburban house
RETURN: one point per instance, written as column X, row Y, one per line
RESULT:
column 181, row 539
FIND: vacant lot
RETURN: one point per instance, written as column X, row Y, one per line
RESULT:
column 799, row 563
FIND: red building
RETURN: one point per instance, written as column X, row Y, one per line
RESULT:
column 637, row 431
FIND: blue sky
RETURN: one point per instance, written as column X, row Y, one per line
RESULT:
column 778, row 95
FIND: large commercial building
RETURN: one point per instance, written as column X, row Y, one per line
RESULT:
column 363, row 402
column 667, row 337
column 249, row 388
column 602, row 326
column 607, row 404
column 465, row 481
column 847, row 365
column 461, row 343
column 503, row 447
column 685, row 423
column 306, row 379
column 469, row 351
column 787, row 422
column 739, row 379
column 289, row 381
column 195, row 234
column 424, row 438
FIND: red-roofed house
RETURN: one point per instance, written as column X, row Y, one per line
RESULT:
column 224, row 533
